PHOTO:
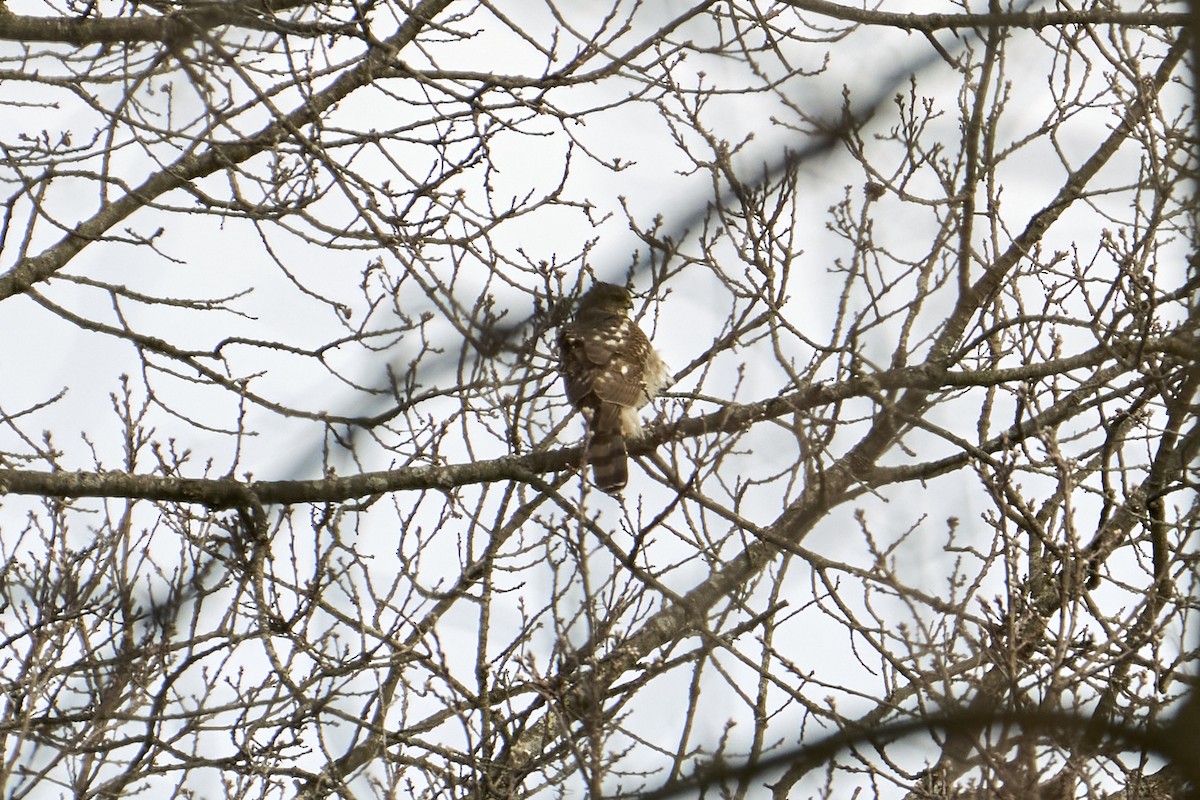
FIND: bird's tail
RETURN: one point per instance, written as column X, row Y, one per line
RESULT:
column 606, row 450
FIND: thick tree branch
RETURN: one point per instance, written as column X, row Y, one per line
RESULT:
column 177, row 27
column 229, row 492
column 1035, row 20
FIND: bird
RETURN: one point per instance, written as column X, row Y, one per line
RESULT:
column 610, row 370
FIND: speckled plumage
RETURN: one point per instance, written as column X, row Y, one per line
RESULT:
column 610, row 370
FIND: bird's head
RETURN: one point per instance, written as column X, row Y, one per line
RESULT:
column 605, row 298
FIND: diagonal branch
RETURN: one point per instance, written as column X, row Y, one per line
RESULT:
column 188, row 167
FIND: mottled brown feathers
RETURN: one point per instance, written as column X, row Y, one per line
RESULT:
column 610, row 371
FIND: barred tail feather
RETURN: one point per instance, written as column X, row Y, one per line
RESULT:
column 610, row 462
column 606, row 450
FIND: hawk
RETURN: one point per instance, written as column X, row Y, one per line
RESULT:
column 610, row 371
